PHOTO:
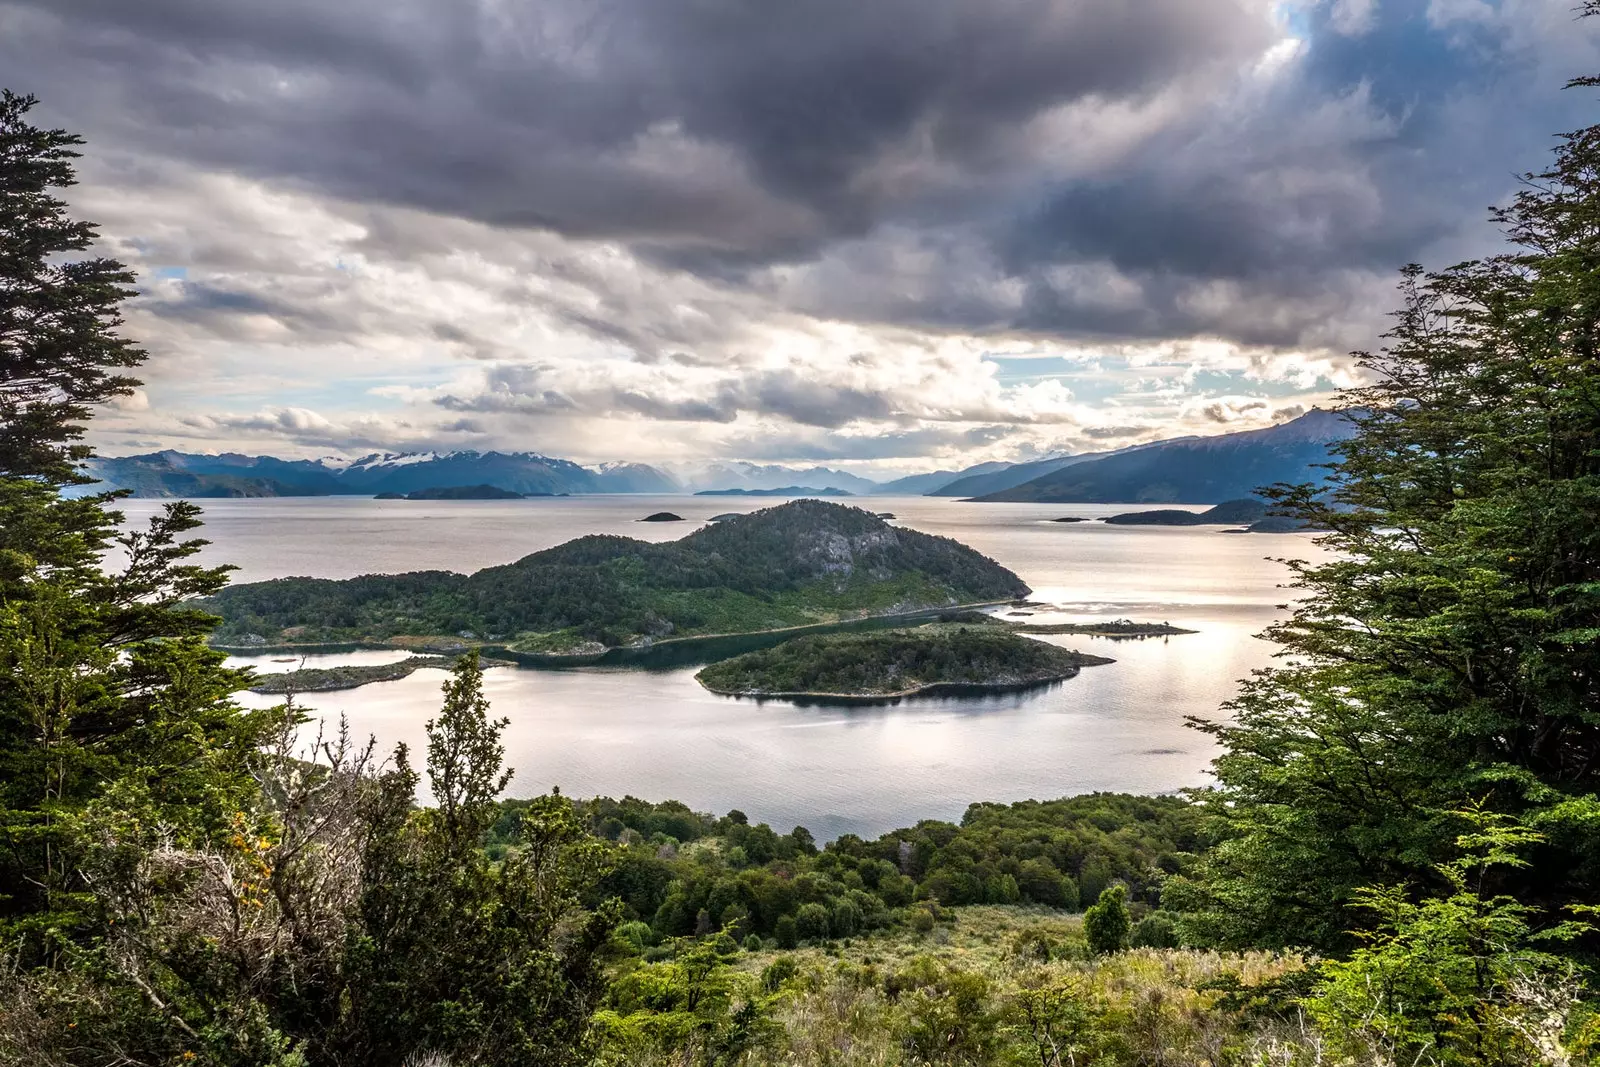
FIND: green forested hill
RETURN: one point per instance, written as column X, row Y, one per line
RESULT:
column 803, row 562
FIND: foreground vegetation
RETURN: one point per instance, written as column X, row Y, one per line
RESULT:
column 931, row 658
column 804, row 562
column 1397, row 863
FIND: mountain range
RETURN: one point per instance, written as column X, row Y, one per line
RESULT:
column 1191, row 470
column 1188, row 470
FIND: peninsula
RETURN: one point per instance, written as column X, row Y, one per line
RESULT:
column 1116, row 629
column 328, row 679
column 887, row 664
column 458, row 492
column 802, row 563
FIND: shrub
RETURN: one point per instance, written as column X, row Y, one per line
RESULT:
column 811, row 922
column 778, row 972
column 1106, row 923
column 637, row 936
column 1155, row 930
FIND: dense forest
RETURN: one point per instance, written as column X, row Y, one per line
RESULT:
column 1397, row 862
column 803, row 562
column 888, row 662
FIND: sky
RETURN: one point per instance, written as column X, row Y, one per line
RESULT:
column 885, row 235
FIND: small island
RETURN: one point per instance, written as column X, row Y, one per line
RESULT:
column 456, row 492
column 662, row 516
column 1227, row 513
column 1072, row 518
column 889, row 664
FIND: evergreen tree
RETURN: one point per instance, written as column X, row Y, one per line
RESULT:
column 105, row 678
column 1449, row 651
column 457, row 953
column 59, row 350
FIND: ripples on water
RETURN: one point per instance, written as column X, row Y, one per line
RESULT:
column 865, row 770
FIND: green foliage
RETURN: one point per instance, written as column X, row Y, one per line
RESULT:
column 811, row 922
column 882, row 662
column 105, row 681
column 59, row 350
column 693, row 1009
column 461, row 954
column 1449, row 649
column 948, row 1018
column 1459, row 979
column 1156, row 930
column 1106, row 922
column 687, row 874
column 803, row 562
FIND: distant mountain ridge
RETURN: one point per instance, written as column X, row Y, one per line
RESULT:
column 1192, row 470
column 787, row 490
column 1196, row 470
column 184, row 474
column 758, row 476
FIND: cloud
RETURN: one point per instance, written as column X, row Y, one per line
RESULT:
column 679, row 227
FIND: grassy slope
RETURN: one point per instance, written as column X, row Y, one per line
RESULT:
column 962, row 993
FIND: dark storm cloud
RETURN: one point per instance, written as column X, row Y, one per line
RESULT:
column 1375, row 148
column 718, row 137
column 574, row 114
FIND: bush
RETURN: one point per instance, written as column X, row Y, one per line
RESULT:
column 778, row 972
column 637, row 936
column 1155, row 930
column 753, row 943
column 786, row 932
column 846, row 920
column 1106, row 923
column 811, row 922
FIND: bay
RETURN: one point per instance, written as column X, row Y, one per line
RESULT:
column 866, row 770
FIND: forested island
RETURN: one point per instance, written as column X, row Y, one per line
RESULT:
column 800, row 563
column 928, row 659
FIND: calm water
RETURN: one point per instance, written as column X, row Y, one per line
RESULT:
column 657, row 734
